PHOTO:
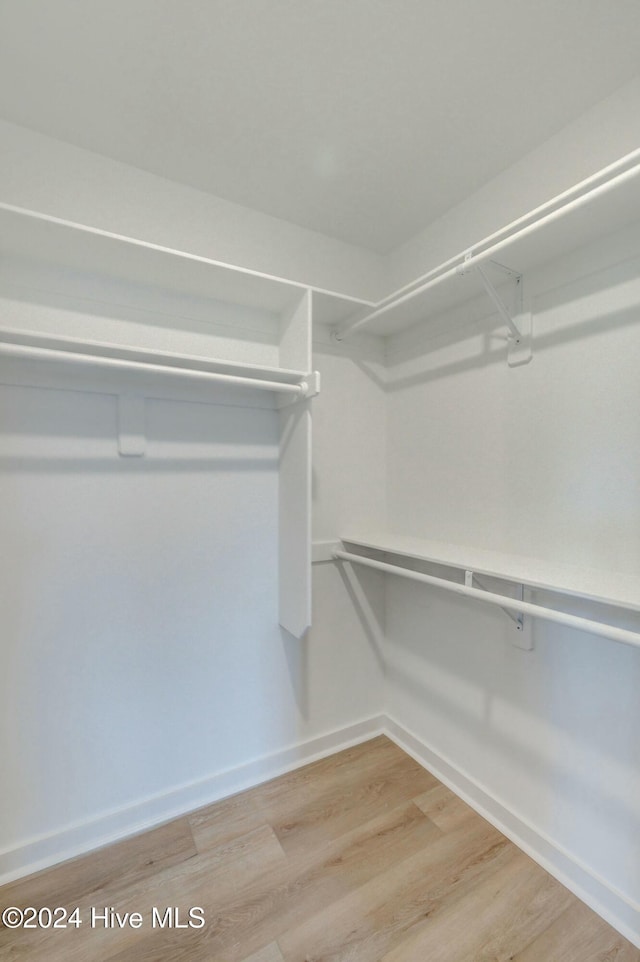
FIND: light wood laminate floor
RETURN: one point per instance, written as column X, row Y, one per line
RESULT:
column 363, row 856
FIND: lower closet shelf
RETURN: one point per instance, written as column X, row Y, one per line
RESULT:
column 616, row 590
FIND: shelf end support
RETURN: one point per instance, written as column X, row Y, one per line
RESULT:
column 521, row 633
column 523, row 636
column 518, row 321
column 132, row 441
column 313, row 384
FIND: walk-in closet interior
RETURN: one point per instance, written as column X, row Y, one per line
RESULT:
column 320, row 413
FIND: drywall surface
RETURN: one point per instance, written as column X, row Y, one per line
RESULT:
column 132, row 660
column 349, row 435
column 45, row 299
column 599, row 137
column 349, row 482
column 44, row 174
column 541, row 460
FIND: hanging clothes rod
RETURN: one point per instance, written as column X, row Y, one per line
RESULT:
column 466, row 261
column 30, row 352
column 605, row 174
column 622, row 635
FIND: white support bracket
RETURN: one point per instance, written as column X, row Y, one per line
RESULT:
column 522, row 636
column 310, row 388
column 132, row 440
column 313, row 384
column 518, row 320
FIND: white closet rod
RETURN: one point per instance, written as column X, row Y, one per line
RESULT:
column 621, row 635
column 618, row 166
column 48, row 354
column 466, row 261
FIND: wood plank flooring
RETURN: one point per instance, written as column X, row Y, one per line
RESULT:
column 361, row 857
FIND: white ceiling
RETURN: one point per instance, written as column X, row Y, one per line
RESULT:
column 362, row 119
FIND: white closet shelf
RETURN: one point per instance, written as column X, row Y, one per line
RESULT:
column 605, row 587
column 84, row 248
column 32, row 346
column 607, row 201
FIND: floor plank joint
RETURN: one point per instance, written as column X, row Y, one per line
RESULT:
column 363, row 856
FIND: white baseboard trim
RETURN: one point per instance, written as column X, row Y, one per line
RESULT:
column 42, row 852
column 614, row 906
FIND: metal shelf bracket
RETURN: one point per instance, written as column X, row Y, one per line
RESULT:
column 518, row 320
column 522, row 636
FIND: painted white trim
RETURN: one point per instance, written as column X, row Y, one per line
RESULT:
column 43, row 851
column 614, row 906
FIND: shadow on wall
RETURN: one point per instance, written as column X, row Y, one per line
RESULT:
column 489, row 354
column 551, row 733
column 601, row 303
column 364, row 592
column 74, row 299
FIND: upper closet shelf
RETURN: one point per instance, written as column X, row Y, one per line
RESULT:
column 83, row 248
column 603, row 203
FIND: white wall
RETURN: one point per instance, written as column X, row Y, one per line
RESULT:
column 349, row 480
column 126, row 669
column 349, row 434
column 46, row 299
column 541, row 460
